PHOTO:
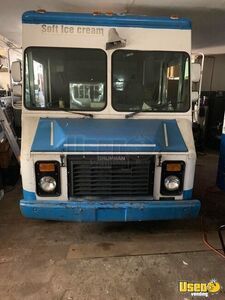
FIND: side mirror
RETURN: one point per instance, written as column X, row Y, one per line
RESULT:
column 16, row 71
column 195, row 72
column 17, row 90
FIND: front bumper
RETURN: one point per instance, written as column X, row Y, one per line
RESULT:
column 109, row 211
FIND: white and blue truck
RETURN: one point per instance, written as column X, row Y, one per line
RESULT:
column 107, row 118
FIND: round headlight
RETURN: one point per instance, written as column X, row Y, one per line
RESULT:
column 172, row 183
column 48, row 184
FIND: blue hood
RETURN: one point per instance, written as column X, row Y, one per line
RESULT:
column 96, row 135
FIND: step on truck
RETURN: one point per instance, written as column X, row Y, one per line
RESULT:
column 107, row 118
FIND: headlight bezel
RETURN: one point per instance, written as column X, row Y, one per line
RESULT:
column 179, row 174
column 55, row 174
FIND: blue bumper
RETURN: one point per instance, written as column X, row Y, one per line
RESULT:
column 109, row 211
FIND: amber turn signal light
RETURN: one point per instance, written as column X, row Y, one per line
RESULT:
column 47, row 167
column 173, row 167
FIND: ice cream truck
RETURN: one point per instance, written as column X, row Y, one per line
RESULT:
column 107, row 118
column 221, row 166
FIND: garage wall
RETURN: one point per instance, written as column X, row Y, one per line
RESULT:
column 214, row 73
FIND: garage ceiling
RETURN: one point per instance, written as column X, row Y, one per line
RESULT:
column 208, row 16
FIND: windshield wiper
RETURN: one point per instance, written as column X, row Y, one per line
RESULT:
column 130, row 115
column 79, row 113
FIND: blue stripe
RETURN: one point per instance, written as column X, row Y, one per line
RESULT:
column 108, row 211
column 32, row 17
column 221, row 165
column 29, row 195
column 187, row 195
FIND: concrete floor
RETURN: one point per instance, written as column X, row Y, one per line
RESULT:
column 34, row 261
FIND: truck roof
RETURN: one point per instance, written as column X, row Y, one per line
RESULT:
column 116, row 20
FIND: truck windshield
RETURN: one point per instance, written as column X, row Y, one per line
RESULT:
column 150, row 81
column 65, row 79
